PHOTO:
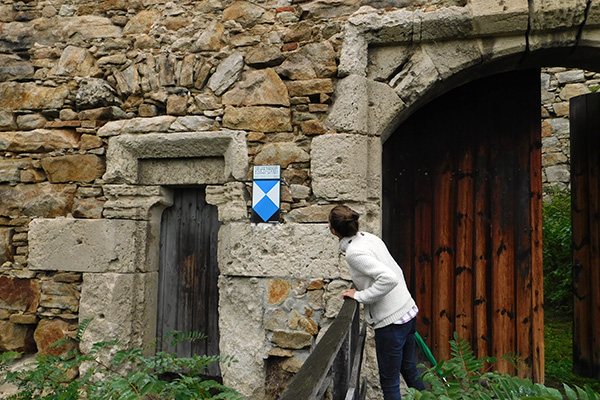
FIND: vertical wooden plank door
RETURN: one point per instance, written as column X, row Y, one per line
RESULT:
column 462, row 215
column 585, row 204
column 188, row 272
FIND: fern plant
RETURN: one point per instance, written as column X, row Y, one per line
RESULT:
column 466, row 377
column 129, row 375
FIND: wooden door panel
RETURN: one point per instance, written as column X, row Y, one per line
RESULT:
column 585, row 203
column 188, row 273
column 459, row 190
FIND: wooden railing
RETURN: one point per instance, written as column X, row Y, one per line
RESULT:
column 334, row 364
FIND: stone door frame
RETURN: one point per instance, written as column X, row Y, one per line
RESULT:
column 118, row 254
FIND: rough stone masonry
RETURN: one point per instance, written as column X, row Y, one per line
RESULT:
column 105, row 104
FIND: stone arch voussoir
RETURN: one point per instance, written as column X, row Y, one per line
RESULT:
column 403, row 59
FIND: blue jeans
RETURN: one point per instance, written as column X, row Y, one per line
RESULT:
column 395, row 346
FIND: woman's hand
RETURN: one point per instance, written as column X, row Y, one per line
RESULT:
column 349, row 293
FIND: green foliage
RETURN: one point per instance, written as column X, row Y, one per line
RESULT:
column 558, row 339
column 129, row 374
column 558, row 292
column 465, row 377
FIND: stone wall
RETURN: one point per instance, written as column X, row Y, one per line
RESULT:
column 559, row 84
column 106, row 107
column 67, row 70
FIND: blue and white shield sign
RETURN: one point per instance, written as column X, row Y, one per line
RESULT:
column 266, row 189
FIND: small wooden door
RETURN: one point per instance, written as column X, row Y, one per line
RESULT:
column 188, row 292
column 585, row 203
column 462, row 215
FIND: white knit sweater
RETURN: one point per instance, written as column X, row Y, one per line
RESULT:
column 378, row 278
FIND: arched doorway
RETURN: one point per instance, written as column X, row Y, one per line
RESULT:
column 462, row 202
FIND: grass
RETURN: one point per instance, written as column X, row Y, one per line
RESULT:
column 558, row 337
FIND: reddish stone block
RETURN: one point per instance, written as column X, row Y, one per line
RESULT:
column 277, row 291
column 63, row 124
column 48, row 332
column 19, row 294
column 289, row 46
column 316, row 285
column 16, row 337
column 318, row 107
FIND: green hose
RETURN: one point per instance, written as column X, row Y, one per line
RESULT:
column 425, row 349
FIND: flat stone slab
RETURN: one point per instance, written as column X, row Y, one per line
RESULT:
column 266, row 250
column 79, row 245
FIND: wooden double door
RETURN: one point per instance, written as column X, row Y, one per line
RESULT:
column 462, row 215
column 188, row 273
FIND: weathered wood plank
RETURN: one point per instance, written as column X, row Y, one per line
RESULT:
column 582, row 339
column 188, row 295
column 310, row 379
column 482, row 252
column 523, row 250
column 357, row 359
column 464, row 244
column 443, row 259
column 593, row 136
column 423, row 252
column 502, row 295
column 537, row 262
column 530, row 283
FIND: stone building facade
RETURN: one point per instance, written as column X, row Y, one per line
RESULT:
column 107, row 107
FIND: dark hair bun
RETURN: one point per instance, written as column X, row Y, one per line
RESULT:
column 344, row 220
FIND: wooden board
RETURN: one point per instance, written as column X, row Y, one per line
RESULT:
column 188, row 273
column 469, row 205
column 585, row 203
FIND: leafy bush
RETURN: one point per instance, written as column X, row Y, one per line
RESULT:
column 465, row 377
column 558, row 281
column 558, row 338
column 128, row 375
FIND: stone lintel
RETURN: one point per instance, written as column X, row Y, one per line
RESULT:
column 495, row 18
column 542, row 40
column 556, row 15
column 590, row 38
column 593, row 16
column 88, row 245
column 199, row 149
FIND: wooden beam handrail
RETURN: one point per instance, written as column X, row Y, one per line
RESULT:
column 316, row 373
